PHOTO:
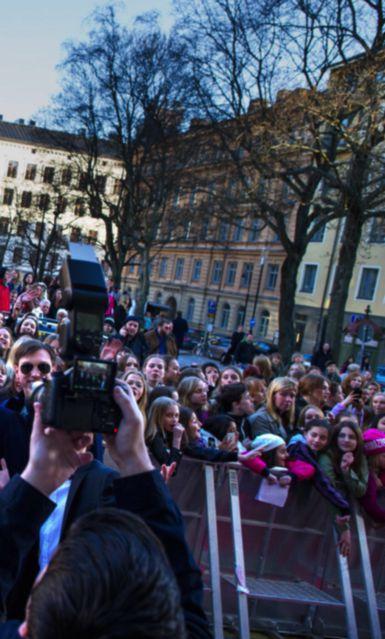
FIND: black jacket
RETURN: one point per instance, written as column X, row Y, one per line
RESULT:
column 23, row 510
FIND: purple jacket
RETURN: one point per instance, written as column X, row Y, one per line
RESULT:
column 301, row 451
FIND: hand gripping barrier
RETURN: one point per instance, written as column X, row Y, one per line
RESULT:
column 278, row 569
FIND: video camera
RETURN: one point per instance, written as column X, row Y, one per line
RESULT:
column 81, row 398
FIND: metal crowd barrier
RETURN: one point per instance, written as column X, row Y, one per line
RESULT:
column 278, row 569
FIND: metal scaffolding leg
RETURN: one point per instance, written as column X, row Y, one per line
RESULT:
column 371, row 599
column 215, row 577
column 236, row 525
column 350, row 613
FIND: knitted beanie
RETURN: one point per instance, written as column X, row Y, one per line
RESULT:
column 374, row 442
column 267, row 442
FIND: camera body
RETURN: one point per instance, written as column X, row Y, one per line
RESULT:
column 81, row 398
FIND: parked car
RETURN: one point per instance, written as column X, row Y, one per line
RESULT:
column 380, row 376
column 218, row 346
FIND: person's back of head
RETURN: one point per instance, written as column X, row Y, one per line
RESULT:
column 109, row 578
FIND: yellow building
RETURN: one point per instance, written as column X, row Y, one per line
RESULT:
column 367, row 287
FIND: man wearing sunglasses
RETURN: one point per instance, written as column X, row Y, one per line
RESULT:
column 33, row 366
column 33, row 362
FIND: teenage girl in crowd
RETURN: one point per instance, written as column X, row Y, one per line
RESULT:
column 153, row 370
column 6, row 342
column 234, row 400
column 136, row 380
column 172, row 371
column 317, row 435
column 346, row 467
column 222, row 437
column 277, row 416
column 192, row 393
column 374, row 449
column 164, row 432
column 212, row 373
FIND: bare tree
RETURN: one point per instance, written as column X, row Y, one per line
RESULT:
column 261, row 76
column 123, row 94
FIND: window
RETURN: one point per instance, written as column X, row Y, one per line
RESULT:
column 205, row 230
column 368, row 283
column 4, row 224
column 238, row 231
column 216, row 273
column 79, row 206
column 225, row 315
column 163, row 264
column 179, row 267
column 131, row 267
column 118, row 186
column 101, row 182
column 75, row 234
column 223, row 232
column 272, row 276
column 26, row 199
column 22, row 228
column 264, row 323
column 377, row 231
column 197, row 269
column 254, row 231
column 12, row 169
column 308, row 278
column 83, row 181
column 92, row 237
column 48, row 174
column 39, row 229
column 190, row 309
column 61, row 204
column 17, row 257
column 231, row 273
column 44, row 202
column 66, row 176
column 30, row 172
column 8, row 196
column 240, row 319
column 319, row 235
column 247, row 272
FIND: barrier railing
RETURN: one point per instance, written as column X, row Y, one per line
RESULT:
column 254, row 556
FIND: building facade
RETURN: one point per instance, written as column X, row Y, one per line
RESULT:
column 41, row 196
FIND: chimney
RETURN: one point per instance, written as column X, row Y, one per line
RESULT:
column 32, row 123
column 20, row 121
column 1, row 117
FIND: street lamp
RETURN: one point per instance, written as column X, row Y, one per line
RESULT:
column 262, row 261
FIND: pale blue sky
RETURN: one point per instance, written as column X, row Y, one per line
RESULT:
column 31, row 35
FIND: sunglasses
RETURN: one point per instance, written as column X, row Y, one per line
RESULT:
column 43, row 368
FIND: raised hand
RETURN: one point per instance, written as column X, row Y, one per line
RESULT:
column 127, row 447
column 54, row 454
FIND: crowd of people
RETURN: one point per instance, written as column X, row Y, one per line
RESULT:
column 314, row 422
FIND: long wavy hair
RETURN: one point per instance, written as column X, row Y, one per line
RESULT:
column 336, row 453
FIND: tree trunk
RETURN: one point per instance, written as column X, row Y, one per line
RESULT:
column 347, row 258
column 144, row 281
column 354, row 222
column 289, row 273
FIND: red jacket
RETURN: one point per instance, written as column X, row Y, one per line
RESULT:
column 5, row 297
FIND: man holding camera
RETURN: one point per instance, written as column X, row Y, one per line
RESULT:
column 110, row 575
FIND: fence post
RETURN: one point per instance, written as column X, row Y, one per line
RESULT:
column 239, row 560
column 350, row 614
column 215, row 577
column 366, row 566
